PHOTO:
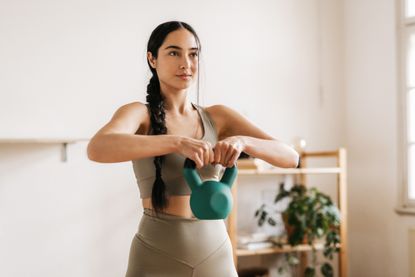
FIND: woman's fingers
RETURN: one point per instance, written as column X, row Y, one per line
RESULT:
column 224, row 148
column 198, row 160
column 233, row 158
column 206, row 153
column 199, row 151
column 217, row 158
column 227, row 152
column 211, row 156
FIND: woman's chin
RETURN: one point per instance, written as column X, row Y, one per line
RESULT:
column 184, row 85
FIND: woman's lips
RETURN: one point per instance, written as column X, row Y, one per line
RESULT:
column 185, row 77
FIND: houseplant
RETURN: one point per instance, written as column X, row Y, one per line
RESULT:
column 310, row 215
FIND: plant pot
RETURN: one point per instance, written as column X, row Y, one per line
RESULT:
column 289, row 229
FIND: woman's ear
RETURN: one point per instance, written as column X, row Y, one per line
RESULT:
column 151, row 60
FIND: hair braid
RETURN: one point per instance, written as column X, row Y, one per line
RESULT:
column 155, row 101
column 158, row 125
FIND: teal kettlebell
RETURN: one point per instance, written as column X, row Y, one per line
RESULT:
column 210, row 199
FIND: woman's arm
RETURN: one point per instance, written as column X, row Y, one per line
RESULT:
column 255, row 142
column 114, row 148
column 117, row 142
column 272, row 151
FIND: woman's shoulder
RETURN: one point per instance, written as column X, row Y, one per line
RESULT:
column 136, row 107
column 220, row 115
column 134, row 115
column 214, row 111
column 226, row 118
column 219, row 110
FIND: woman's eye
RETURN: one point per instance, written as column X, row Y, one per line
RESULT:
column 174, row 52
column 194, row 54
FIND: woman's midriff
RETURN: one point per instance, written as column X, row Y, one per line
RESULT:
column 177, row 205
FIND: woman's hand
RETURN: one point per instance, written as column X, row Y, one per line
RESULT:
column 199, row 151
column 227, row 151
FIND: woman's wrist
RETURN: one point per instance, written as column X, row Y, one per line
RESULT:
column 176, row 142
column 243, row 140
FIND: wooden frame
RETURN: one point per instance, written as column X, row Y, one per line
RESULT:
column 340, row 170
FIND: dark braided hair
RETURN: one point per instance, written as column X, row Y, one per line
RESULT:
column 155, row 104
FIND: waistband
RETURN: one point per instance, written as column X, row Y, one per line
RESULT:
column 152, row 213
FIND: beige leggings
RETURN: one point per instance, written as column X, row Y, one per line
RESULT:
column 169, row 245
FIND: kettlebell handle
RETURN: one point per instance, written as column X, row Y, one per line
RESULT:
column 228, row 177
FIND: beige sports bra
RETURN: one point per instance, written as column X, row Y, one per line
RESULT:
column 172, row 168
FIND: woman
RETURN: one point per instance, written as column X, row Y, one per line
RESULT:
column 157, row 137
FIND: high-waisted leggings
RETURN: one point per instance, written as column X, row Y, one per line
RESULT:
column 169, row 245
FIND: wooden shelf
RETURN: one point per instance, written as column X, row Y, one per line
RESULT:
column 279, row 171
column 275, row 250
column 340, row 169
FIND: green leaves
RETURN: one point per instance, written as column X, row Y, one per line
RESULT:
column 309, row 272
column 327, row 270
column 282, row 193
column 310, row 215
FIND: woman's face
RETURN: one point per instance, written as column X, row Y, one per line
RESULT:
column 177, row 60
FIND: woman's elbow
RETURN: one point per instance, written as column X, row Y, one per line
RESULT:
column 296, row 160
column 292, row 160
column 93, row 152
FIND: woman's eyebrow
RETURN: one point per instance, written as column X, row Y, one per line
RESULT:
column 179, row 48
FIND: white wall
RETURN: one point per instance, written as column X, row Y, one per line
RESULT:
column 66, row 66
column 378, row 235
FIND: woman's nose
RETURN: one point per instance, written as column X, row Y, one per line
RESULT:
column 185, row 62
